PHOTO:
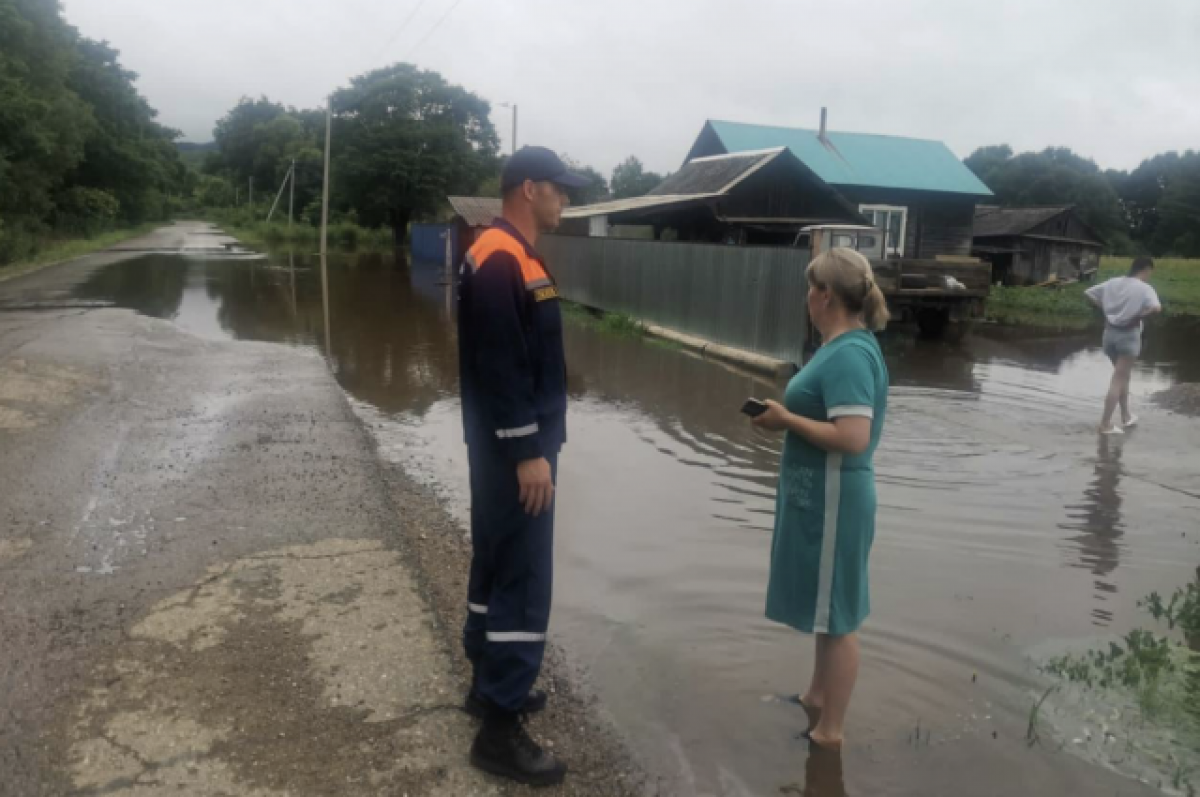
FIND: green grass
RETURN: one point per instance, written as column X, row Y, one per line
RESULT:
column 1161, row 672
column 249, row 229
column 62, row 249
column 1176, row 280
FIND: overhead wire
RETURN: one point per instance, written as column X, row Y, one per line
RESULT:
column 436, row 25
column 403, row 26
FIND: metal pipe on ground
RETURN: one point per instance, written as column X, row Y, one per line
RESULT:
column 759, row 363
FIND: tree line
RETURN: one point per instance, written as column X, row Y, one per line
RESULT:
column 1153, row 209
column 80, row 150
column 403, row 139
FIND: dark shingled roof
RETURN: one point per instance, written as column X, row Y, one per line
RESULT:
column 477, row 211
column 991, row 222
column 711, row 175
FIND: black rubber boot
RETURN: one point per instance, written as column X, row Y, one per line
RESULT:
column 503, row 747
column 477, row 705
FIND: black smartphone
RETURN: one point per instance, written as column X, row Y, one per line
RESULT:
column 753, row 407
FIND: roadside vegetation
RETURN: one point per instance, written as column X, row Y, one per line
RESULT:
column 50, row 251
column 81, row 155
column 1177, row 281
column 1156, row 672
column 248, row 226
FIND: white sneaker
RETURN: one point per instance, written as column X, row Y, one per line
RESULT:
column 1113, row 430
column 1133, row 419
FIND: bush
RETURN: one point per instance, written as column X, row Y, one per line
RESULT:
column 18, row 239
column 86, row 211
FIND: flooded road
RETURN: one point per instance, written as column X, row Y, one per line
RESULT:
column 1005, row 528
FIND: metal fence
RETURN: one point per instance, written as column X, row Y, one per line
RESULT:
column 428, row 243
column 752, row 298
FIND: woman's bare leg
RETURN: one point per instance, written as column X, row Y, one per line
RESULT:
column 814, row 698
column 1118, row 385
column 841, row 661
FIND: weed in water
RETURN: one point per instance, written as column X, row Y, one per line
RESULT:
column 1032, row 736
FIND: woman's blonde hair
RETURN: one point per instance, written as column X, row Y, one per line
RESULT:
column 848, row 275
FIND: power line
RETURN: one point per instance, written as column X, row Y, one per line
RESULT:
column 403, row 26
column 436, row 25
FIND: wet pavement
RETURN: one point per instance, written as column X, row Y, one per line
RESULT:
column 1006, row 529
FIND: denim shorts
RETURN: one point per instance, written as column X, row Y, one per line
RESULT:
column 1122, row 342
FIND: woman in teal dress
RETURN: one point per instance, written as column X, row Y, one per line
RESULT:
column 833, row 413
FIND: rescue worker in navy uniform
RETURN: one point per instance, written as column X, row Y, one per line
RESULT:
column 514, row 400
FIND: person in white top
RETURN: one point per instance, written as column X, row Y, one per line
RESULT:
column 1125, row 301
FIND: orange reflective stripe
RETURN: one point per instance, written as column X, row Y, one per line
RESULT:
column 493, row 241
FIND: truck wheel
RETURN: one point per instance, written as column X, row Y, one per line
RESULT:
column 932, row 323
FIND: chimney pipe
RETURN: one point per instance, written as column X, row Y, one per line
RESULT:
column 824, row 117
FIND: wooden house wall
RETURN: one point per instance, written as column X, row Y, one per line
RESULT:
column 1065, row 225
column 938, row 224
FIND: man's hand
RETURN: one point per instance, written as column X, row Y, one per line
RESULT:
column 537, row 485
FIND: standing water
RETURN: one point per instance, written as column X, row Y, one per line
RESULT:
column 1006, row 530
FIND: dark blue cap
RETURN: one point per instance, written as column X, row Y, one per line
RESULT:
column 540, row 165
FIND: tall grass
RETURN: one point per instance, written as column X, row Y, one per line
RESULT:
column 1177, row 281
column 57, row 250
column 248, row 227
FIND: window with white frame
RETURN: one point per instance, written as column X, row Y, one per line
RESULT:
column 893, row 220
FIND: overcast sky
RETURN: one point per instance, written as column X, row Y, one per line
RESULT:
column 1115, row 80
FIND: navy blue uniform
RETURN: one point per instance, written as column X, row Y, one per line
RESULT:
column 514, row 399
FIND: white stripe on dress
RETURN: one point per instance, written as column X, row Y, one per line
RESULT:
column 851, row 410
column 478, row 608
column 833, row 498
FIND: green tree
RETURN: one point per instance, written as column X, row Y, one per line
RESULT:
column 43, row 124
column 1055, row 176
column 631, row 179
column 596, row 191
column 128, row 154
column 404, row 140
column 1177, row 231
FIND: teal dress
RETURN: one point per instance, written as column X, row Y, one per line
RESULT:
column 825, row 508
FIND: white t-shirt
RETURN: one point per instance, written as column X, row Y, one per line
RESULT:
column 1124, row 300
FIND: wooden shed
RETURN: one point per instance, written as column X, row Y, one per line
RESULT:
column 472, row 215
column 755, row 198
column 1032, row 245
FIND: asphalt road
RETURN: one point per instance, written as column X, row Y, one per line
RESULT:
column 206, row 579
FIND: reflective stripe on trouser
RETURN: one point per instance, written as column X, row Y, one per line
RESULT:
column 512, row 567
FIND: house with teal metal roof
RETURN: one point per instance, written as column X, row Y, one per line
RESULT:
column 916, row 189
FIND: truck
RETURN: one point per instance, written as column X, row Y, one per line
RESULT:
column 942, row 296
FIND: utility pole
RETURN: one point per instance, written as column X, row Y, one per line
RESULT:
column 278, row 196
column 325, row 232
column 325, row 187
column 292, row 195
column 512, row 106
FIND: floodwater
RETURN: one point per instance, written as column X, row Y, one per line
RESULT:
column 1005, row 528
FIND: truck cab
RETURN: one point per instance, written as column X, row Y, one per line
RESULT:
column 820, row 238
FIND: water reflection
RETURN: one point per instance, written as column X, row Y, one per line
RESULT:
column 823, row 774
column 1100, row 523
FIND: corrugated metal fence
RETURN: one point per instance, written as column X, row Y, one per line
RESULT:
column 752, row 298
